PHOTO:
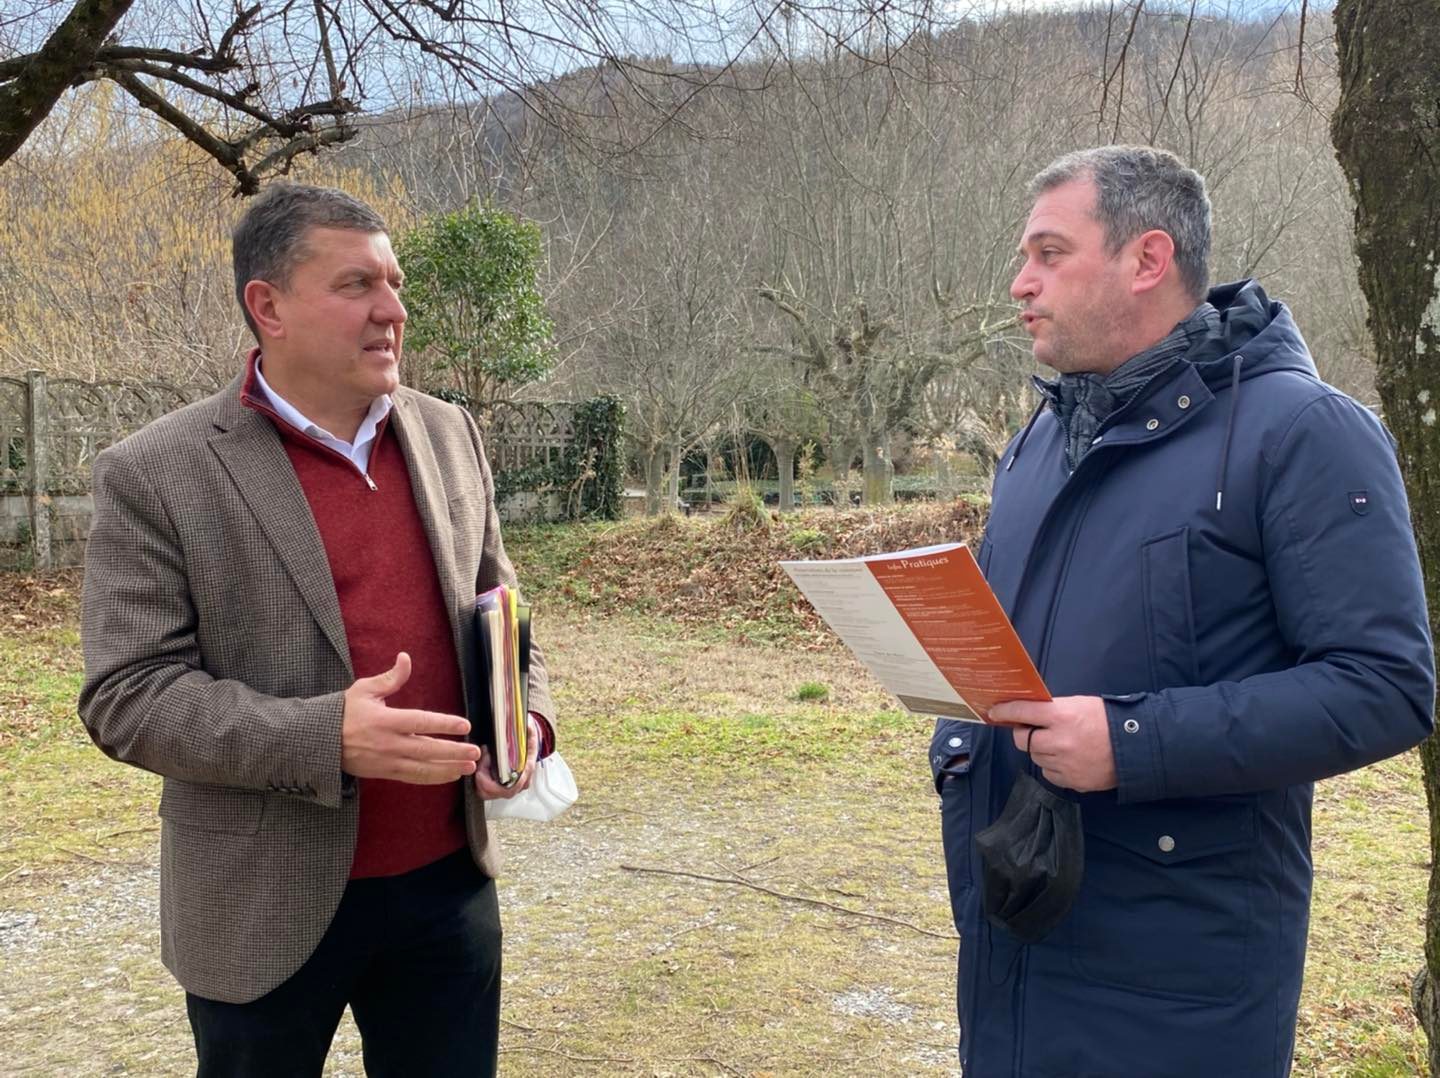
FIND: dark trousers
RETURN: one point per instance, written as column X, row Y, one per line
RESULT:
column 416, row 957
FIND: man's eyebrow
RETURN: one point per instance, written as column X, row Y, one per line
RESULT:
column 1038, row 237
column 367, row 273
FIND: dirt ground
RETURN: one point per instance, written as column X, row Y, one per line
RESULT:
column 694, row 755
column 609, row 970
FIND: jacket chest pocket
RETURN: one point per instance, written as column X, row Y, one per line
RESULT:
column 1169, row 610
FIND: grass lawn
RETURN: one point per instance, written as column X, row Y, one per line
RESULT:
column 780, row 772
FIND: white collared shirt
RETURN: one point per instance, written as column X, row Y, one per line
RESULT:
column 356, row 452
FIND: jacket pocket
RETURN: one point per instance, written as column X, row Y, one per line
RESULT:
column 1167, row 902
column 1169, row 610
column 951, row 761
column 225, row 809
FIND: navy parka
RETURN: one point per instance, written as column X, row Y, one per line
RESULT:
column 1232, row 567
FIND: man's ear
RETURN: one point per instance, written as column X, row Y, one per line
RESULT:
column 261, row 301
column 1154, row 253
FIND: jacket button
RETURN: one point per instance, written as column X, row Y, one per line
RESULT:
column 1166, row 844
column 1152, row 424
column 1131, row 726
column 1183, row 402
column 956, row 742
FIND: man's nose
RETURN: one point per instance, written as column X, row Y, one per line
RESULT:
column 1023, row 286
column 390, row 309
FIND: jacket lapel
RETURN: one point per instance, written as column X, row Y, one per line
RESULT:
column 252, row 453
column 430, row 500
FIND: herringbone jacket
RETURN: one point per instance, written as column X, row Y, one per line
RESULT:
column 215, row 656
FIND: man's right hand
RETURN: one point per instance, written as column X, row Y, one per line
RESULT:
column 382, row 742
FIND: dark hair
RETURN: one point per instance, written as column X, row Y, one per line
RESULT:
column 1138, row 188
column 269, row 240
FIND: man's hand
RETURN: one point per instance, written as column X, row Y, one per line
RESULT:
column 485, row 784
column 1068, row 738
column 382, row 742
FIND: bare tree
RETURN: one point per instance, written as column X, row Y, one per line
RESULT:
column 668, row 350
column 258, row 83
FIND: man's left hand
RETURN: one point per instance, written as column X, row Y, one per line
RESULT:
column 1069, row 738
column 491, row 790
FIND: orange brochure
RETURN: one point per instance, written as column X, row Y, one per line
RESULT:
column 927, row 626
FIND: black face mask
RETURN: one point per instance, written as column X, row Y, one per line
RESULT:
column 1032, row 860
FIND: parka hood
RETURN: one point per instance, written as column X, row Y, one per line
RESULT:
column 1260, row 330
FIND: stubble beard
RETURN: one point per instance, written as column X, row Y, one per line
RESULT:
column 1083, row 347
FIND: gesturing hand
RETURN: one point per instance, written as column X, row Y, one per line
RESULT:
column 382, row 742
column 1068, row 737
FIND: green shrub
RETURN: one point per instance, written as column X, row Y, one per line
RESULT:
column 746, row 513
column 809, row 540
column 812, row 692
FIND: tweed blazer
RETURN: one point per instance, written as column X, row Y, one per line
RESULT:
column 215, row 655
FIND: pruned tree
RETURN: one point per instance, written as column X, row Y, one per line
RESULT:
column 667, row 347
column 784, row 414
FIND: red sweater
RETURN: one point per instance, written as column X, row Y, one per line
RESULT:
column 390, row 601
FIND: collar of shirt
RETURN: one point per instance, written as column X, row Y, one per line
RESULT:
column 356, row 452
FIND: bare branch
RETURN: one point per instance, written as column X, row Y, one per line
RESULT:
column 279, row 161
column 221, row 151
column 30, row 92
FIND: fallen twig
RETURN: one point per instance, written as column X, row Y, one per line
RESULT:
column 86, row 856
column 794, row 898
column 528, row 1029
column 504, row 1048
column 720, row 1063
column 756, row 864
column 128, row 831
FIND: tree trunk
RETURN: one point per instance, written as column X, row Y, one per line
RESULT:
column 877, row 473
column 1387, row 139
column 654, row 479
column 672, row 501
column 839, row 454
column 785, row 472
column 715, row 471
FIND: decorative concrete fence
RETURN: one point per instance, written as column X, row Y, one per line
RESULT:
column 51, row 430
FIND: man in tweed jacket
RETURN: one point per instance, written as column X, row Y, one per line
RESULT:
column 277, row 592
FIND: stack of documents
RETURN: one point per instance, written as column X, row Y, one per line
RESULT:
column 499, row 715
column 927, row 625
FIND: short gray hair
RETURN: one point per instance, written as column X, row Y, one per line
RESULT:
column 1138, row 188
column 269, row 240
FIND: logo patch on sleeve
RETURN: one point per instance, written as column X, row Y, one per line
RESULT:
column 1360, row 501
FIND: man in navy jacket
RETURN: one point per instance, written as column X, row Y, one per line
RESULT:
column 1207, row 551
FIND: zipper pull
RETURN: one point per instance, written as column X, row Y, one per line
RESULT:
column 370, row 482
